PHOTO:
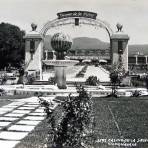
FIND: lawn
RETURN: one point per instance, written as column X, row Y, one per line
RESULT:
column 116, row 119
column 37, row 138
column 122, row 118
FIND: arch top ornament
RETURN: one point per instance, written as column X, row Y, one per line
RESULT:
column 76, row 18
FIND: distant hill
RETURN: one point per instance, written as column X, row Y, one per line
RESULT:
column 141, row 48
column 81, row 43
column 89, row 43
column 93, row 43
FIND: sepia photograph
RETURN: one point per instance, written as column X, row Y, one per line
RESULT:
column 73, row 74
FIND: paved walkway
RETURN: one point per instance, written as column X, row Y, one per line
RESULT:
column 100, row 72
column 17, row 119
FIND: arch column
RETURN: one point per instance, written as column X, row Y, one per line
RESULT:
column 33, row 53
column 119, row 47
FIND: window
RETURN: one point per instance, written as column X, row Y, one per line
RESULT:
column 141, row 60
column 132, row 60
column 32, row 48
column 32, row 44
column 76, row 21
column 120, row 47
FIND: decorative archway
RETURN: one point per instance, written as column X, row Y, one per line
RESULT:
column 76, row 18
column 118, row 40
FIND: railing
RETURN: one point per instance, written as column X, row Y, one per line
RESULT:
column 88, row 57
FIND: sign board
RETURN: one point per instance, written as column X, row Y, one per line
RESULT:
column 85, row 14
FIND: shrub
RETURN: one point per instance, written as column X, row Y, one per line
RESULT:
column 138, row 81
column 92, row 80
column 52, row 80
column 136, row 93
column 115, row 80
column 71, row 122
column 4, row 80
column 30, row 79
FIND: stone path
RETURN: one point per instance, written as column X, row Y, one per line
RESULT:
column 17, row 119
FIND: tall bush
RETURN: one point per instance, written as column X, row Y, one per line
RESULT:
column 71, row 122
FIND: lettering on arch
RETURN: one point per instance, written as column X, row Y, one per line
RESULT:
column 85, row 14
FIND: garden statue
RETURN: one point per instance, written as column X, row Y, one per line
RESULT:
column 33, row 26
column 119, row 27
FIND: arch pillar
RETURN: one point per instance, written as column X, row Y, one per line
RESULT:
column 119, row 48
column 33, row 53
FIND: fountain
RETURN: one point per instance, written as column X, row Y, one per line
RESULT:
column 61, row 43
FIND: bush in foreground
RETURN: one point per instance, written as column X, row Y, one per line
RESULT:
column 71, row 122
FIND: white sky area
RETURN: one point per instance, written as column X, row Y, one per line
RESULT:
column 133, row 14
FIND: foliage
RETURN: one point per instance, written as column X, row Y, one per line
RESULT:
column 123, row 109
column 71, row 122
column 136, row 93
column 95, row 61
column 11, row 45
column 52, row 80
column 82, row 72
column 47, row 106
column 4, row 79
column 117, row 75
column 21, row 73
column 2, row 92
column 114, row 78
column 30, row 79
column 137, row 81
column 92, row 80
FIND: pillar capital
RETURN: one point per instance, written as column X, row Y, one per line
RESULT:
column 119, row 36
column 33, row 35
column 33, row 51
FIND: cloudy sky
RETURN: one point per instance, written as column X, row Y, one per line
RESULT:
column 133, row 14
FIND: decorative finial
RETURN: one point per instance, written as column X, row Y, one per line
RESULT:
column 33, row 26
column 119, row 27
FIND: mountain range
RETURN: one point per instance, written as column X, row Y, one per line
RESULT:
column 94, row 43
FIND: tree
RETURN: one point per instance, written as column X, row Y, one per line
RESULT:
column 114, row 78
column 21, row 76
column 116, row 75
column 11, row 45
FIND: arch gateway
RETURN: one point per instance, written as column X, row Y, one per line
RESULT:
column 34, row 40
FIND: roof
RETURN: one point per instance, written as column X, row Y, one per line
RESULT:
column 120, row 35
column 33, row 34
